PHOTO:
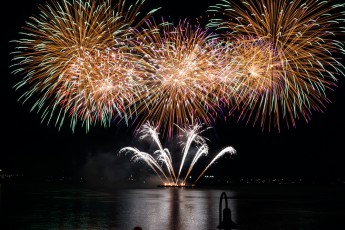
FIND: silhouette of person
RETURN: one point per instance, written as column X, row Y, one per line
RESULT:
column 138, row 228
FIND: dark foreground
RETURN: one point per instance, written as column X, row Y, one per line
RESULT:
column 33, row 206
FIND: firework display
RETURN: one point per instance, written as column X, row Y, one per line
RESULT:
column 94, row 62
column 301, row 37
column 182, row 63
column 161, row 160
column 76, row 61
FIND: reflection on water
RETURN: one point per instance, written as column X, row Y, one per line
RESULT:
column 57, row 207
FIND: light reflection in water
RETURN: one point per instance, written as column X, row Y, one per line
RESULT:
column 178, row 208
column 27, row 207
column 117, row 209
column 152, row 209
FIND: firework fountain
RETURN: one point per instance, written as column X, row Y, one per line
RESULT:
column 160, row 161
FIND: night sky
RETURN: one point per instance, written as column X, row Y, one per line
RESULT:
column 314, row 150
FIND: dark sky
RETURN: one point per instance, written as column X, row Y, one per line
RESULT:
column 314, row 150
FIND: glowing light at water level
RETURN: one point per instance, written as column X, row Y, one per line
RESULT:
column 161, row 160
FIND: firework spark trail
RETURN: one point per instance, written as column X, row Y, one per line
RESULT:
column 230, row 150
column 252, row 69
column 101, row 94
column 202, row 151
column 148, row 130
column 182, row 62
column 65, row 53
column 193, row 135
column 303, row 35
column 258, row 78
column 139, row 155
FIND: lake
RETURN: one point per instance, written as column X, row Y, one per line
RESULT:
column 48, row 207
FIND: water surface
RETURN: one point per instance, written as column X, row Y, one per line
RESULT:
column 25, row 207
